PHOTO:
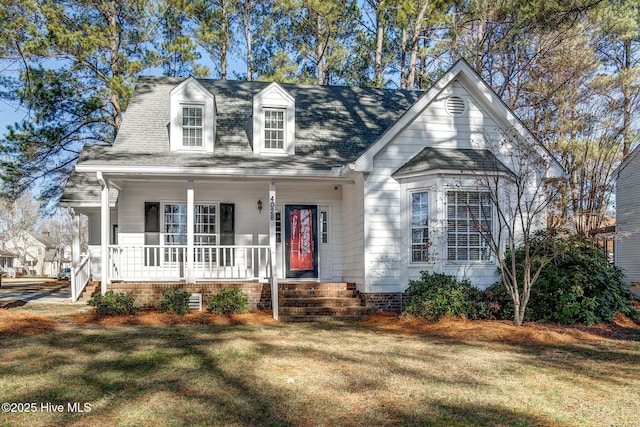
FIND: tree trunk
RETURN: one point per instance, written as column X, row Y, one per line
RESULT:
column 249, row 35
column 403, row 60
column 415, row 39
column 626, row 124
column 379, row 45
column 319, row 51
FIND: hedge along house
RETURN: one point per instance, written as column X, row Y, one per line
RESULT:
column 230, row 183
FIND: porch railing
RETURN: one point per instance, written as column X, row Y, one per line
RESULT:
column 80, row 276
column 219, row 262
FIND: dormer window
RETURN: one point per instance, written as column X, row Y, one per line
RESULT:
column 274, row 129
column 274, row 122
column 193, row 118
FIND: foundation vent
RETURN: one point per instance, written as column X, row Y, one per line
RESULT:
column 195, row 302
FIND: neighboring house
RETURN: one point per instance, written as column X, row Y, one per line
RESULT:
column 627, row 247
column 7, row 260
column 35, row 254
column 211, row 181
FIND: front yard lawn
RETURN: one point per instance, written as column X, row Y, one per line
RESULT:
column 248, row 371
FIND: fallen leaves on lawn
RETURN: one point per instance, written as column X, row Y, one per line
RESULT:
column 502, row 330
column 152, row 317
column 21, row 323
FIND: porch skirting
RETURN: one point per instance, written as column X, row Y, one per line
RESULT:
column 148, row 295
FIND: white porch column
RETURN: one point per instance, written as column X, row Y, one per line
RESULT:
column 272, row 248
column 105, row 221
column 75, row 251
column 189, row 275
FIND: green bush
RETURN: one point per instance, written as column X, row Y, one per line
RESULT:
column 436, row 295
column 174, row 301
column 229, row 300
column 577, row 286
column 113, row 304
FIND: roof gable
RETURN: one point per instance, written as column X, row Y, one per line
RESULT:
column 463, row 73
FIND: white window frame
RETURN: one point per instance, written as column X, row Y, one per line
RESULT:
column 463, row 214
column 413, row 226
column 282, row 130
column 186, row 127
column 178, row 256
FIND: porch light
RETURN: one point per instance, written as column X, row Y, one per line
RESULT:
column 260, row 206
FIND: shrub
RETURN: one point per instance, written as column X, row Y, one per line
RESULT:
column 436, row 295
column 174, row 301
column 113, row 304
column 577, row 286
column 229, row 300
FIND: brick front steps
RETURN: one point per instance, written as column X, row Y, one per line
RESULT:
column 90, row 290
column 310, row 302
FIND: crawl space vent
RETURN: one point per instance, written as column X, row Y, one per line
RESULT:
column 195, row 302
column 455, row 106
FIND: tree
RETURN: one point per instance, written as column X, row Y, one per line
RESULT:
column 618, row 44
column 319, row 35
column 519, row 202
column 213, row 29
column 177, row 52
column 59, row 229
column 18, row 218
column 97, row 49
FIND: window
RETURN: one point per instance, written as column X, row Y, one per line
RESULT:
column 175, row 231
column 324, row 227
column 274, row 129
column 278, row 227
column 469, row 219
column 420, row 227
column 192, row 126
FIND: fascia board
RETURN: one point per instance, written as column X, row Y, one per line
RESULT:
column 209, row 171
column 453, row 173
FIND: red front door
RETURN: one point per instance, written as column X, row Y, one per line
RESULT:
column 301, row 243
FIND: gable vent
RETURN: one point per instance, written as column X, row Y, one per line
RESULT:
column 195, row 302
column 455, row 106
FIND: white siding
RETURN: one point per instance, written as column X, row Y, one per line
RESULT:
column 628, row 220
column 353, row 232
column 387, row 235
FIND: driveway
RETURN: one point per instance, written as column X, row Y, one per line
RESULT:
column 37, row 291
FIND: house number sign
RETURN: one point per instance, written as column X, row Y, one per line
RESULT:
column 272, row 208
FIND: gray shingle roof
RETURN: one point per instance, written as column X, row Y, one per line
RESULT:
column 334, row 126
column 460, row 159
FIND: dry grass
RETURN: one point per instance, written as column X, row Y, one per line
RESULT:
column 246, row 370
column 21, row 323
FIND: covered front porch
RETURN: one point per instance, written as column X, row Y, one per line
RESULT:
column 160, row 229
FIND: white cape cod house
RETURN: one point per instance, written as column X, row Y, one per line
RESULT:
column 253, row 184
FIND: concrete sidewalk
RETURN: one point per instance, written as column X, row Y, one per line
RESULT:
column 28, row 291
